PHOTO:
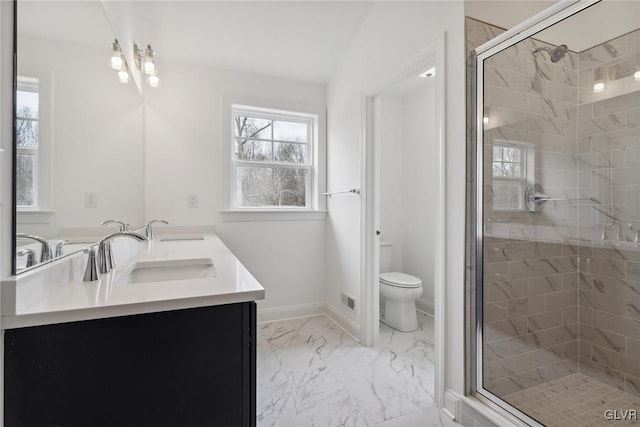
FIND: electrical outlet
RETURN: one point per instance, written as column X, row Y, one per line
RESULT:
column 90, row 200
column 192, row 201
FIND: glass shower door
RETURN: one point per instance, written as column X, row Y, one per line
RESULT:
column 558, row 203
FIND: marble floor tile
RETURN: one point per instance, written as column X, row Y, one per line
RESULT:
column 312, row 373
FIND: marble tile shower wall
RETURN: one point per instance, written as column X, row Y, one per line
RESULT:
column 530, row 294
column 609, row 178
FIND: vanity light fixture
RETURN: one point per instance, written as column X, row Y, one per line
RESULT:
column 117, row 61
column 598, row 81
column 145, row 62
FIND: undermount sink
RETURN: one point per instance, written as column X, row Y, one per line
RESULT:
column 174, row 269
column 177, row 238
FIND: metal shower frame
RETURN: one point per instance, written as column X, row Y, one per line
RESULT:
column 475, row 222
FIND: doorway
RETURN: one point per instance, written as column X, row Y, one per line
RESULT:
column 403, row 192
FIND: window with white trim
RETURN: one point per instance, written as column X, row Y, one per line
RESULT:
column 272, row 159
column 27, row 142
column 511, row 166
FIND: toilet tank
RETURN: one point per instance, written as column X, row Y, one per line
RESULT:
column 386, row 247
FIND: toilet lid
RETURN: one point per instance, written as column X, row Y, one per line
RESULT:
column 400, row 279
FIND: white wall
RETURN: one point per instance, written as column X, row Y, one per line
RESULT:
column 419, row 161
column 392, row 34
column 183, row 122
column 91, row 125
column 389, row 117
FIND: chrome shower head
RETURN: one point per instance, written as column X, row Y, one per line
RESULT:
column 556, row 54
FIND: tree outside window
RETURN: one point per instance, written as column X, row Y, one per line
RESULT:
column 27, row 140
column 271, row 159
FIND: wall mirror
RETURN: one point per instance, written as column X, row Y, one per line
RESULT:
column 79, row 139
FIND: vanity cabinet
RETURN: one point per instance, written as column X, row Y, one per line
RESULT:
column 189, row 367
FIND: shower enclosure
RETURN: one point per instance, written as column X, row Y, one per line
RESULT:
column 554, row 214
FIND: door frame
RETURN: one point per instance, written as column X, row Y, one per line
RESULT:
column 433, row 54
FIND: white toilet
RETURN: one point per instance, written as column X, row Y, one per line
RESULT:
column 398, row 294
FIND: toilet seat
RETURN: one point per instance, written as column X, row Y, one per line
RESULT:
column 400, row 280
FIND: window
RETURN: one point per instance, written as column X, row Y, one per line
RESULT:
column 27, row 142
column 272, row 159
column 510, row 168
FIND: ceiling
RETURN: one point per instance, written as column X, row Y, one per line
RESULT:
column 595, row 25
column 82, row 23
column 298, row 40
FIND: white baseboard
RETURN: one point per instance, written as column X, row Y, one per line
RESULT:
column 450, row 407
column 291, row 312
column 307, row 310
column 425, row 306
column 343, row 321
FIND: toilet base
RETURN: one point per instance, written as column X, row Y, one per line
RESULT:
column 400, row 315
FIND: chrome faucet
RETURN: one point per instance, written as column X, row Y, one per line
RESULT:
column 105, row 255
column 149, row 228
column 45, row 254
column 31, row 256
column 123, row 226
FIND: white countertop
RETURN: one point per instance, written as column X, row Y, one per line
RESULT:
column 56, row 293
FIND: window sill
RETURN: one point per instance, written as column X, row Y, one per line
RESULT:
column 258, row 216
column 34, row 217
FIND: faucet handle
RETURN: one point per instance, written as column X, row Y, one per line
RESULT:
column 91, row 270
column 59, row 245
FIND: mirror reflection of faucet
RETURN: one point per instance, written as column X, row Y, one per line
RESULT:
column 149, row 228
column 31, row 256
column 123, row 225
column 45, row 254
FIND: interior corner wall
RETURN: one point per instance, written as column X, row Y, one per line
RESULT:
column 183, row 138
column 394, row 33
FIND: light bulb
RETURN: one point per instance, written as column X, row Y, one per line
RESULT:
column 116, row 56
column 598, row 87
column 154, row 80
column 599, row 77
column 485, row 120
column 636, row 75
column 148, row 65
column 149, row 68
column 117, row 62
column 123, row 75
